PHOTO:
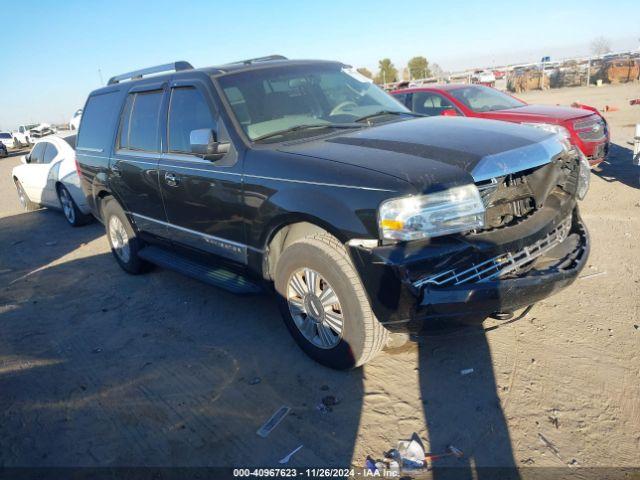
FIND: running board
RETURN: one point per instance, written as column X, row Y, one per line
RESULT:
column 218, row 277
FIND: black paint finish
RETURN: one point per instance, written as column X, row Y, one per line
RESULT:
column 230, row 209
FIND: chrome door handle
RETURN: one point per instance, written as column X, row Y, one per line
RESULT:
column 171, row 179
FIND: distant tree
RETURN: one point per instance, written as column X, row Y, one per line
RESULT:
column 387, row 72
column 405, row 74
column 365, row 72
column 419, row 67
column 436, row 70
column 600, row 46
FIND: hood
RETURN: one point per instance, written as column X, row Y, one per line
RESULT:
column 538, row 113
column 438, row 152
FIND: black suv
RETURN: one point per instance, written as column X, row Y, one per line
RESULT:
column 369, row 222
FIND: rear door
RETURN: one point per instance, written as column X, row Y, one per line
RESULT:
column 52, row 159
column 35, row 173
column 203, row 198
column 134, row 165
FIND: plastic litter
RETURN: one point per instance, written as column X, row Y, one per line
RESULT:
column 286, row 458
column 466, row 371
column 273, row 422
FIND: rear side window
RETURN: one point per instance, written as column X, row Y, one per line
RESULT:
column 188, row 111
column 37, row 154
column 97, row 122
column 139, row 123
column 50, row 153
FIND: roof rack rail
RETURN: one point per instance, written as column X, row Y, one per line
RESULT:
column 268, row 58
column 138, row 74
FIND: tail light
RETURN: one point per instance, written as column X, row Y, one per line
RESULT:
column 75, row 159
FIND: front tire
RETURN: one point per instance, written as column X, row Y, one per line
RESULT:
column 123, row 240
column 324, row 305
column 70, row 210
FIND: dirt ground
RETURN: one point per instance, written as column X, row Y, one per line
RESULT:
column 100, row 368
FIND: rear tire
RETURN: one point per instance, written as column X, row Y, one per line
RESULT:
column 24, row 200
column 70, row 210
column 123, row 240
column 339, row 331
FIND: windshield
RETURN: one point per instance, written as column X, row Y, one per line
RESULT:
column 279, row 99
column 5, row 135
column 484, row 99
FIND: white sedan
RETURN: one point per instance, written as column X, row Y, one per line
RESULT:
column 8, row 140
column 48, row 178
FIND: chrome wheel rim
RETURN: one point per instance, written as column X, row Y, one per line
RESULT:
column 22, row 198
column 119, row 238
column 67, row 205
column 315, row 308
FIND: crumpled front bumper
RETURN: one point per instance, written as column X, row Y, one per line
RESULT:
column 394, row 277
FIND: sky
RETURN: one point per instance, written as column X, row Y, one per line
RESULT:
column 56, row 52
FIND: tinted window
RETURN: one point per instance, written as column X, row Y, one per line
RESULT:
column 123, row 134
column 71, row 140
column 96, row 125
column 401, row 97
column 37, row 154
column 49, row 153
column 142, row 123
column 484, row 99
column 5, row 135
column 428, row 103
column 188, row 111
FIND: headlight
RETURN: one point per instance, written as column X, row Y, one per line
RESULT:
column 454, row 210
column 584, row 176
column 561, row 131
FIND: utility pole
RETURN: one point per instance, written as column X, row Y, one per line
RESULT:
column 589, row 71
column 100, row 75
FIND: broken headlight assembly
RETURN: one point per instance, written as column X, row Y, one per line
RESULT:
column 456, row 209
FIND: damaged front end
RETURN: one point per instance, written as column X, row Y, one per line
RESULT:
column 533, row 244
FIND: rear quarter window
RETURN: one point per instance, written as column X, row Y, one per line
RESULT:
column 98, row 119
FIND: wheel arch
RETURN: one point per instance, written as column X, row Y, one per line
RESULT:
column 286, row 230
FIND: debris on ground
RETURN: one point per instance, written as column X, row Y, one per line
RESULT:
column 410, row 455
column 273, row 422
column 591, row 275
column 327, row 404
column 549, row 445
column 51, row 244
column 466, row 371
column 286, row 458
column 255, row 381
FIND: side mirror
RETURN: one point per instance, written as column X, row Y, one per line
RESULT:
column 26, row 159
column 449, row 113
column 204, row 142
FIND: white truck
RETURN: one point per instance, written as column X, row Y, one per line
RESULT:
column 27, row 134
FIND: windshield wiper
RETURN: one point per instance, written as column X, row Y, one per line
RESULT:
column 387, row 112
column 306, row 127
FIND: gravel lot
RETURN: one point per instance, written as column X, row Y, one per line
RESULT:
column 100, row 368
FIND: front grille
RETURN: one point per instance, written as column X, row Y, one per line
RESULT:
column 501, row 265
column 591, row 130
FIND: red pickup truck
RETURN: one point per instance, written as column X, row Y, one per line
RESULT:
column 583, row 127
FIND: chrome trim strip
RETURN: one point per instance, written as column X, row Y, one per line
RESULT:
column 224, row 172
column 129, row 160
column 194, row 232
column 518, row 159
column 89, row 149
column 320, row 183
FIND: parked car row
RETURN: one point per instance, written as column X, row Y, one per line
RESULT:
column 367, row 220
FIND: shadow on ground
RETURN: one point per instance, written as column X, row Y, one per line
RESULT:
column 619, row 167
column 101, row 368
